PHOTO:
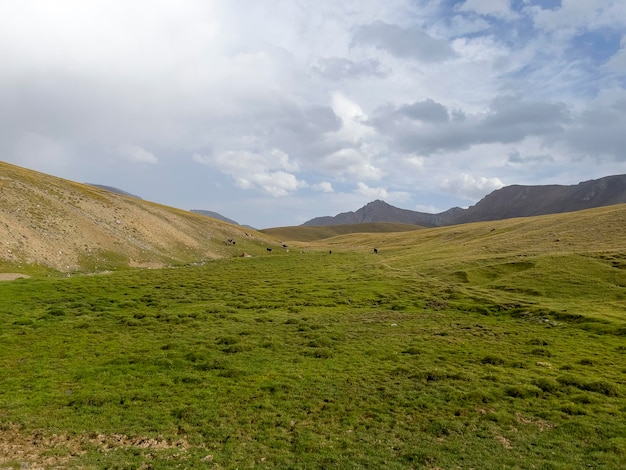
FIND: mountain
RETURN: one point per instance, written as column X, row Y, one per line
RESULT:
column 113, row 190
column 504, row 203
column 214, row 215
column 527, row 201
column 380, row 211
column 73, row 227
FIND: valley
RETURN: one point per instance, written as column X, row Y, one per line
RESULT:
column 483, row 345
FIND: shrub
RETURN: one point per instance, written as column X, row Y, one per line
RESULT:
column 522, row 391
column 601, row 386
column 546, row 385
column 493, row 360
column 541, row 352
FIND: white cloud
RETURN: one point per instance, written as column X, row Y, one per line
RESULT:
column 471, row 187
column 352, row 118
column 573, row 15
column 270, row 171
column 137, row 154
column 324, row 187
column 276, row 183
column 617, row 63
column 351, row 163
column 407, row 43
column 381, row 193
column 496, row 8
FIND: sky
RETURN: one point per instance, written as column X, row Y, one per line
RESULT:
column 273, row 112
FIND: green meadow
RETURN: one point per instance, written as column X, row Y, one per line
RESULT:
column 493, row 345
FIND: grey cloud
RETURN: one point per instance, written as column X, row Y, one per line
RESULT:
column 425, row 127
column 600, row 131
column 336, row 68
column 410, row 43
column 511, row 119
column 302, row 133
column 516, row 157
column 427, row 111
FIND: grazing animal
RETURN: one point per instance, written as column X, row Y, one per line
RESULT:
column 330, row 252
column 375, row 251
column 269, row 249
column 284, row 246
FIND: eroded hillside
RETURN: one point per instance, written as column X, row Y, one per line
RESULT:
column 70, row 226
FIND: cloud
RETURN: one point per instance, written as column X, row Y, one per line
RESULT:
column 617, row 63
column 271, row 171
column 137, row 154
column 574, row 15
column 350, row 162
column 276, row 183
column 496, row 8
column 599, row 129
column 515, row 157
column 423, row 128
column 405, row 43
column 426, row 111
column 372, row 193
column 39, row 151
column 324, row 187
column 337, row 68
column 471, row 187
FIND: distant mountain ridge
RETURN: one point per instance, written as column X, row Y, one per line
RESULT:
column 113, row 190
column 505, row 203
column 214, row 215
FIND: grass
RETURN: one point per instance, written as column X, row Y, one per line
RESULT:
column 307, row 233
column 445, row 350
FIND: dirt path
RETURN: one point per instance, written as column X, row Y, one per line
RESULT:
column 12, row 276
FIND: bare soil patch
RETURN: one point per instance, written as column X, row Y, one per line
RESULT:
column 12, row 276
column 38, row 451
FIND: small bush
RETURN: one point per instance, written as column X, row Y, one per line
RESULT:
column 493, row 360
column 227, row 340
column 235, row 348
column 570, row 380
column 546, row 385
column 412, row 351
column 573, row 410
column 522, row 391
column 56, row 312
column 541, row 352
column 601, row 386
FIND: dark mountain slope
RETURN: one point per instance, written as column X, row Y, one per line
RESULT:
column 527, row 201
column 380, row 211
column 504, row 203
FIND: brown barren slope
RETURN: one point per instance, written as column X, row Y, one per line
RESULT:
column 70, row 226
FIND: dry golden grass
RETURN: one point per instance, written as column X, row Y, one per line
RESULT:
column 69, row 226
column 307, row 233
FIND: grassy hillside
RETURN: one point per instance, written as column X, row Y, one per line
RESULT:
column 311, row 233
column 494, row 345
column 66, row 226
